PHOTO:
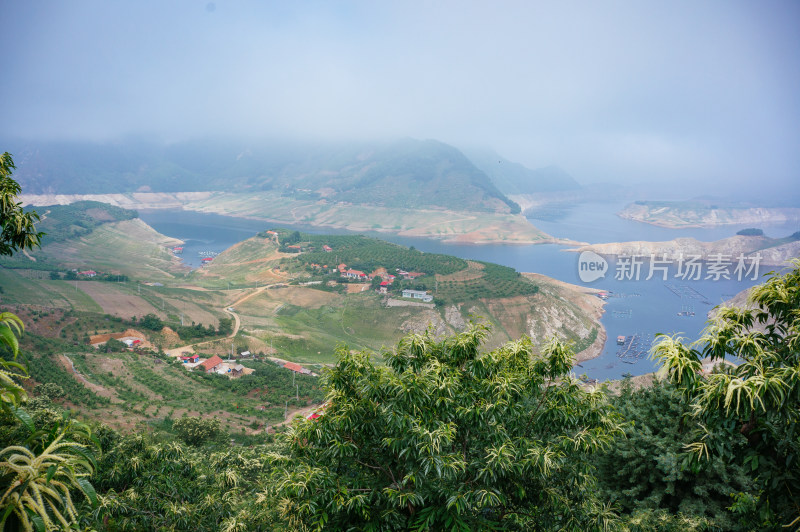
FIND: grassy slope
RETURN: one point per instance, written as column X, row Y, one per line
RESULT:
column 31, row 287
column 306, row 323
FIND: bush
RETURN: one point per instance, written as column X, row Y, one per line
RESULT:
column 196, row 431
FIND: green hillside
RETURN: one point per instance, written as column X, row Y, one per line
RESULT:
column 406, row 173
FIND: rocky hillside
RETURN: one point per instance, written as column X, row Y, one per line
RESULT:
column 774, row 252
column 705, row 214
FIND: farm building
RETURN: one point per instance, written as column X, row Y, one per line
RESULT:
column 297, row 368
column 418, row 294
column 210, row 364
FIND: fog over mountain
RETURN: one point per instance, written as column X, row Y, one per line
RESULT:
column 671, row 93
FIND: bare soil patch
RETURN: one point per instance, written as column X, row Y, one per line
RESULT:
column 357, row 288
column 300, row 296
column 193, row 312
column 116, row 302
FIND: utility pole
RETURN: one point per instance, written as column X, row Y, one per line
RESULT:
column 298, row 392
column 285, row 409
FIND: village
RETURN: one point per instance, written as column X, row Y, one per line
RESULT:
column 380, row 279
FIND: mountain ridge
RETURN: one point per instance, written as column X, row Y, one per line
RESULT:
column 402, row 173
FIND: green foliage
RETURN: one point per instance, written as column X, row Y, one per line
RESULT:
column 367, row 254
column 405, row 174
column 17, row 231
column 496, row 281
column 81, row 218
column 646, row 469
column 11, row 393
column 49, row 390
column 152, row 322
column 146, row 484
column 40, row 484
column 271, row 384
column 749, row 415
column 751, row 231
column 195, row 430
column 114, row 346
column 446, row 437
column 225, row 326
column 196, row 330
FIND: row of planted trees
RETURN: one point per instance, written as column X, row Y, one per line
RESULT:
column 443, row 436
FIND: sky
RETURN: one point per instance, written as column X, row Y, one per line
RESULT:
column 638, row 91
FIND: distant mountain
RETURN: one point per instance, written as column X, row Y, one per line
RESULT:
column 406, row 173
column 515, row 179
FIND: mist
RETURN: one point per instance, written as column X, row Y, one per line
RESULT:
column 662, row 94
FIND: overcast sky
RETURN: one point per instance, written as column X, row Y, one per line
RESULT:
column 635, row 90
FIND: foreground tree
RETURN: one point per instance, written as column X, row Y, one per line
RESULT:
column 38, row 473
column 645, row 472
column 17, row 231
column 749, row 414
column 444, row 437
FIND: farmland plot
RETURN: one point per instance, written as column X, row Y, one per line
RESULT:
column 116, row 302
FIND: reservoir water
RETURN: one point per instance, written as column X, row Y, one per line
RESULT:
column 636, row 306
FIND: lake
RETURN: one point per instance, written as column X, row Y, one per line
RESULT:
column 635, row 307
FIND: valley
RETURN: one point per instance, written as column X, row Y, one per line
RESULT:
column 285, row 305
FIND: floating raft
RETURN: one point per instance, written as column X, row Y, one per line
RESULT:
column 633, row 348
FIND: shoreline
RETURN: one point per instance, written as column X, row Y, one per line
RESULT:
column 516, row 230
column 585, row 297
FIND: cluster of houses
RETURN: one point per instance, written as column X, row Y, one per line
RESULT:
column 131, row 338
column 216, row 365
column 387, row 279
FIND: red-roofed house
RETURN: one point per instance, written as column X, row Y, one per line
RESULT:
column 88, row 273
column 190, row 358
column 327, row 248
column 354, row 274
column 384, row 287
column 209, row 365
column 297, row 368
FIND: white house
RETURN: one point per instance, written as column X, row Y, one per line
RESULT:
column 418, row 294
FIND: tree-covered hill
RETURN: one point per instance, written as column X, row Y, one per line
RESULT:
column 405, row 173
column 78, row 219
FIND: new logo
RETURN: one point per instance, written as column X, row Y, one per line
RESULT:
column 591, row 266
